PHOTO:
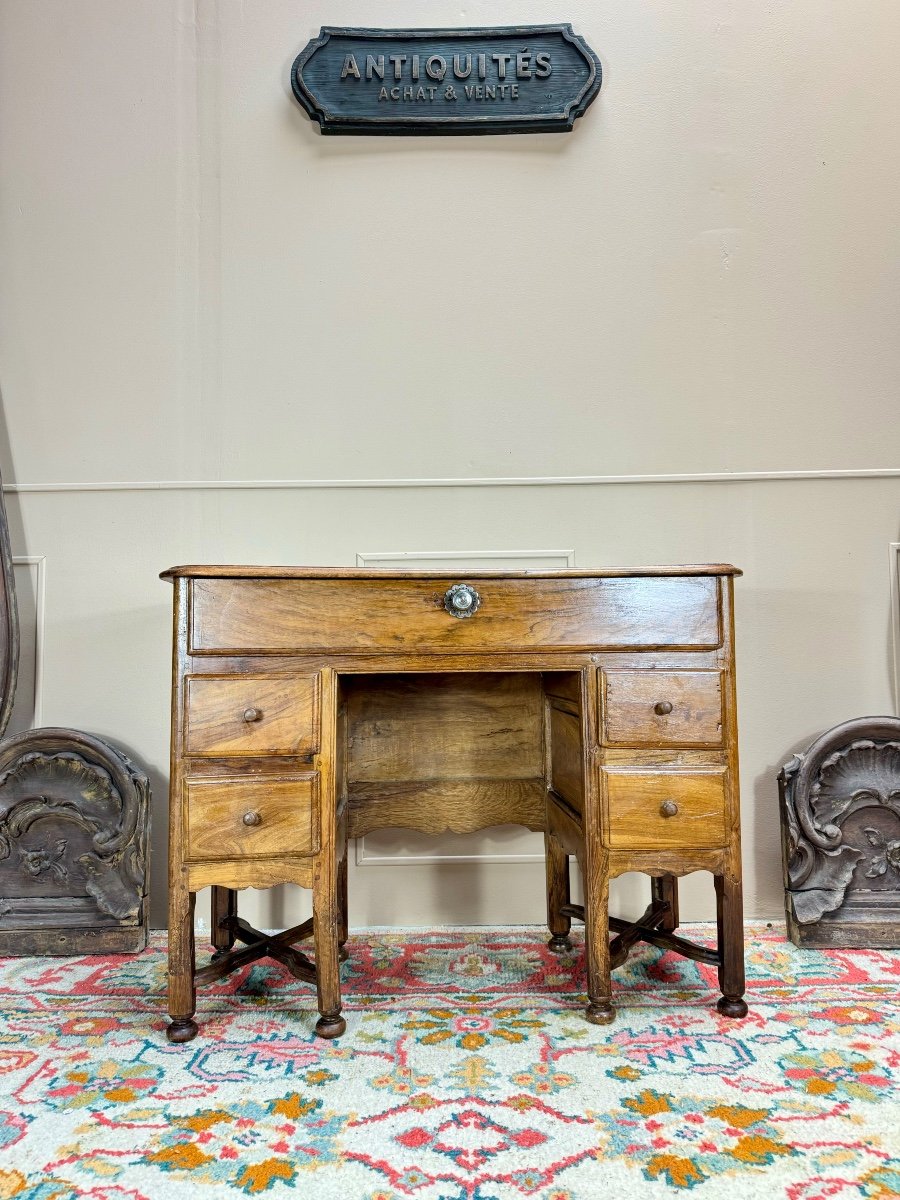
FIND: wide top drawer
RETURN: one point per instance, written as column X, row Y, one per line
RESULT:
column 394, row 615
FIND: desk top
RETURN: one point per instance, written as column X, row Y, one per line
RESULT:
column 250, row 572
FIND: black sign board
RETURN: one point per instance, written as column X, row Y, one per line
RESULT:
column 520, row 79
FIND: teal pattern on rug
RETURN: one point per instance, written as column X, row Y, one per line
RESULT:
column 467, row 1072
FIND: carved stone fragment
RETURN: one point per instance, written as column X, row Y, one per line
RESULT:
column 840, row 824
column 74, row 822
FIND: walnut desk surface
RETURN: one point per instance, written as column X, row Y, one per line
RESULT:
column 311, row 705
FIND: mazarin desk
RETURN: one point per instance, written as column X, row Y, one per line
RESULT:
column 312, row 705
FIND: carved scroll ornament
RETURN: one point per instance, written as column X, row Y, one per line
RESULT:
column 82, row 784
column 853, row 767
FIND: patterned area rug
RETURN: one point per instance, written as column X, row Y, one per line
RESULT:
column 467, row 1073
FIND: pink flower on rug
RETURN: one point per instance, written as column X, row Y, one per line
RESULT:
column 470, row 1139
column 413, row 1138
column 471, row 1024
column 542, row 1079
column 842, row 1014
column 90, row 1026
column 832, row 1072
column 471, row 1029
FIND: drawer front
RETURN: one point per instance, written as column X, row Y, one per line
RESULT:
column 251, row 715
column 251, row 818
column 664, row 811
column 661, row 708
column 268, row 616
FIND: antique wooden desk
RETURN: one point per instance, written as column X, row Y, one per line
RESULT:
column 312, row 705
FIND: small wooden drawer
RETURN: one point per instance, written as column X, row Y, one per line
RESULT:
column 230, row 818
column 236, row 715
column 664, row 811
column 661, row 708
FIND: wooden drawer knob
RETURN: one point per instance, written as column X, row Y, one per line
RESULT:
column 668, row 808
column 252, row 714
column 663, row 708
column 252, row 818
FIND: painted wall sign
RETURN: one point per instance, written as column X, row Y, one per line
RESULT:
column 518, row 79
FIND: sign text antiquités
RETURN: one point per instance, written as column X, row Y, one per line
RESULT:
column 495, row 73
column 518, row 79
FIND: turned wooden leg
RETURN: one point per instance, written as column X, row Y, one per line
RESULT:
column 600, row 1010
column 344, row 924
column 327, row 914
column 556, row 862
column 665, row 889
column 223, row 905
column 326, row 934
column 730, row 926
column 182, row 994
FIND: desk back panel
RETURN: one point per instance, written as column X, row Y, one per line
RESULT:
column 443, row 726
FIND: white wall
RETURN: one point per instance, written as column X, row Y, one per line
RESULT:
column 675, row 329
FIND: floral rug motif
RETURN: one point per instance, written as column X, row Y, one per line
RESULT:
column 468, row 1072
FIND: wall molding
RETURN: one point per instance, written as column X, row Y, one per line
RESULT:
column 226, row 485
column 895, row 619
column 550, row 558
column 364, row 859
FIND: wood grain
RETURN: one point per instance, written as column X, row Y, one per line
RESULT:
column 566, row 756
column 634, row 800
column 283, row 715
column 239, row 874
column 557, row 869
column 222, row 912
column 661, row 708
column 673, row 757
column 565, row 686
column 566, row 826
column 659, row 863
column 364, row 615
column 288, row 812
column 439, row 726
column 452, row 806
column 664, row 890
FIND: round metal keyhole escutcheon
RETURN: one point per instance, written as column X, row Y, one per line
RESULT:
column 461, row 600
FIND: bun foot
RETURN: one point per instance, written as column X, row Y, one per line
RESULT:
column 732, row 1006
column 600, row 1014
column 330, row 1026
column 181, row 1029
column 343, row 954
column 559, row 944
